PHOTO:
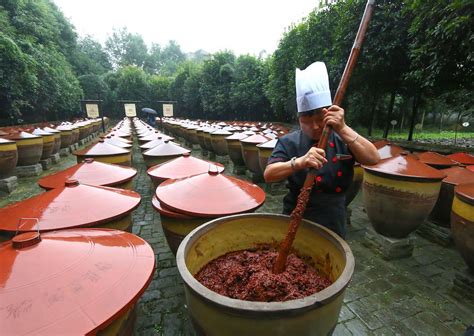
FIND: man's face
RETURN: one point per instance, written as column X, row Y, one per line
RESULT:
column 311, row 123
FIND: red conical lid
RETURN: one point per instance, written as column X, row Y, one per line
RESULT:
column 71, row 282
column 65, row 128
column 6, row 141
column 471, row 168
column 435, row 159
column 465, row 192
column 255, row 139
column 166, row 149
column 165, row 211
column 154, row 136
column 237, row 136
column 183, row 166
column 122, row 134
column 380, row 143
column 22, row 135
column 153, row 143
column 389, row 150
column 464, row 158
column 269, row 144
column 458, row 175
column 39, row 131
column 102, row 149
column 116, row 137
column 90, row 172
column 405, row 166
column 74, row 205
column 51, row 130
column 221, row 132
column 2, row 133
column 113, row 141
column 210, row 195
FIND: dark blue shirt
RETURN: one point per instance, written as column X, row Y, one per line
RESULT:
column 331, row 181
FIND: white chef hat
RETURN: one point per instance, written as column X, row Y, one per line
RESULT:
column 312, row 87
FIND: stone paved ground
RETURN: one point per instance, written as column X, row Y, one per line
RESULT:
column 411, row 296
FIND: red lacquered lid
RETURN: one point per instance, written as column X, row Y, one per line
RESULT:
column 154, row 136
column 436, row 159
column 122, row 133
column 74, row 205
column 22, row 135
column 255, row 139
column 102, row 149
column 389, row 150
column 269, row 144
column 51, row 130
column 210, row 195
column 166, row 149
column 464, row 158
column 458, row 175
column 6, row 141
column 116, row 137
column 39, row 131
column 380, row 143
column 113, row 141
column 71, row 282
column 465, row 192
column 2, row 133
column 183, row 166
column 221, row 132
column 471, row 168
column 65, row 128
column 90, row 172
column 165, row 211
column 237, row 136
column 405, row 166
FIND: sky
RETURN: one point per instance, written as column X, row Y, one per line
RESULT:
column 245, row 26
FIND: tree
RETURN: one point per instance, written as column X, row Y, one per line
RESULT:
column 91, row 58
column 125, row 48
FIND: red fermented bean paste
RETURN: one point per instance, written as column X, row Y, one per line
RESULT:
column 247, row 275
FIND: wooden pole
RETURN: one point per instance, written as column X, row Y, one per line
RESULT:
column 305, row 192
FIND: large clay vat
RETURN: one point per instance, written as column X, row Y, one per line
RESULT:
column 67, row 136
column 265, row 150
column 441, row 213
column 214, row 314
column 462, row 222
column 234, row 148
column 250, row 152
column 48, row 142
column 218, row 142
column 8, row 157
column 30, row 148
column 57, row 139
column 399, row 194
column 354, row 188
column 104, row 152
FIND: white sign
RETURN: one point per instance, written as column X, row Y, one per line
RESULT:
column 465, row 124
column 92, row 110
column 167, row 110
column 130, row 110
column 393, row 122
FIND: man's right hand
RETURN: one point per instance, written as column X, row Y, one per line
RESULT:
column 314, row 158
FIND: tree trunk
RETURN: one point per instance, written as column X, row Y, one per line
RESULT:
column 372, row 115
column 389, row 116
column 416, row 101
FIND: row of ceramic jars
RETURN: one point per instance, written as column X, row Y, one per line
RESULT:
column 99, row 273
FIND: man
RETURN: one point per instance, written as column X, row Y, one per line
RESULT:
column 295, row 153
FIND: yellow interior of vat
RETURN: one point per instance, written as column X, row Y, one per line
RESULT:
column 243, row 233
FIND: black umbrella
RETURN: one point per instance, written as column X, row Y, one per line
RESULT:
column 149, row 110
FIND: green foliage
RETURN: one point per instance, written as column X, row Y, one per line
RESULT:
column 125, row 48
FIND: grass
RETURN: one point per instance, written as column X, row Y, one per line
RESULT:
column 422, row 135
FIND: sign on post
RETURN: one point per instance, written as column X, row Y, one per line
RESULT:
column 130, row 110
column 92, row 110
column 167, row 110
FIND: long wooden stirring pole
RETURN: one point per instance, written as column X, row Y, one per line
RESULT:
column 303, row 197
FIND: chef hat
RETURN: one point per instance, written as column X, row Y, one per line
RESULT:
column 312, row 87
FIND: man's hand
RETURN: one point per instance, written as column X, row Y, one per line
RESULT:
column 334, row 117
column 314, row 158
